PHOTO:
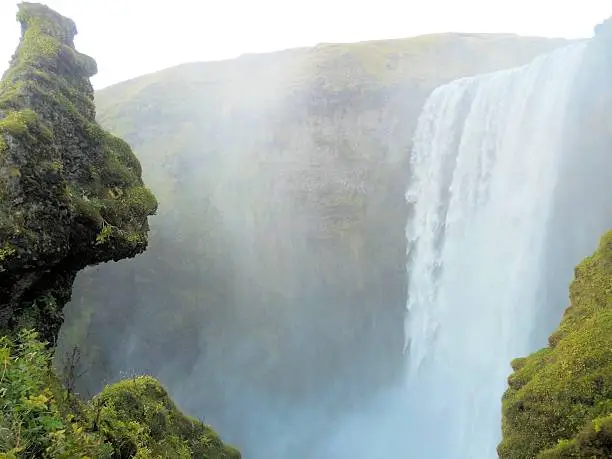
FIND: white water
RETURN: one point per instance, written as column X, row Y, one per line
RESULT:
column 485, row 167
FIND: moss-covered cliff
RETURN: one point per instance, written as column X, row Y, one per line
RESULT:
column 559, row 400
column 71, row 195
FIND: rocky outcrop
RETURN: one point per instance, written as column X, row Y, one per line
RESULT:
column 127, row 409
column 71, row 194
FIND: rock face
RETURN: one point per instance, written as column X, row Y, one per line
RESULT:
column 277, row 265
column 71, row 194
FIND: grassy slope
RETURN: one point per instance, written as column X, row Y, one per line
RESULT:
column 559, row 400
column 425, row 61
column 365, row 65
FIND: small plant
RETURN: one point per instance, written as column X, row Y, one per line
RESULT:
column 71, row 370
column 6, row 251
column 104, row 234
column 31, row 423
column 16, row 123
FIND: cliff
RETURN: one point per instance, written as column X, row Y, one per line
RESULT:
column 278, row 257
column 71, row 195
column 559, row 400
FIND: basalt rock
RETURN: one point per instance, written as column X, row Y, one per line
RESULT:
column 71, row 194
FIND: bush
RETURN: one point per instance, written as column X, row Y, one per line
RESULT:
column 132, row 418
column 32, row 424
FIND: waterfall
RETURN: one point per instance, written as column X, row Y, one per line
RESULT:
column 485, row 166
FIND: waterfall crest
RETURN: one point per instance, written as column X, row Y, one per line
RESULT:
column 485, row 165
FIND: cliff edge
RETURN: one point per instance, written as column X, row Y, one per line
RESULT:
column 71, row 194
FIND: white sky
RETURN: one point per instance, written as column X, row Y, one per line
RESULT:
column 131, row 37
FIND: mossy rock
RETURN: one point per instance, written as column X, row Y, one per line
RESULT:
column 140, row 420
column 71, row 194
column 132, row 418
column 559, row 400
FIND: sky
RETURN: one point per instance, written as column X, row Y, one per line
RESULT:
column 129, row 38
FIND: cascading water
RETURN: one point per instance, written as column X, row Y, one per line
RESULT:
column 484, row 171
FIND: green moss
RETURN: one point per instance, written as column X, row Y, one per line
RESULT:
column 121, row 152
column 63, row 101
column 121, row 168
column 593, row 441
column 126, row 209
column 16, row 123
column 141, row 201
column 9, row 94
column 44, row 23
column 83, row 174
column 558, row 390
column 139, row 419
column 6, row 251
column 40, row 43
column 85, row 207
column 95, row 133
column 135, row 238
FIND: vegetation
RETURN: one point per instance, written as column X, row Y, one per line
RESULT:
column 133, row 418
column 559, row 400
column 139, row 419
column 71, row 194
column 46, row 68
column 64, row 181
column 16, row 123
column 593, row 441
column 38, row 418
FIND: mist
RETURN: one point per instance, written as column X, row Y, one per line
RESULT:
column 272, row 299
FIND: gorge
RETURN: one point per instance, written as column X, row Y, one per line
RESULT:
column 356, row 246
